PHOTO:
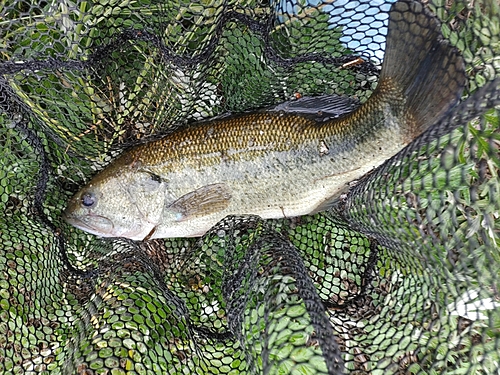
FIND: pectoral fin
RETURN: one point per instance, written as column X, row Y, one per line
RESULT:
column 201, row 202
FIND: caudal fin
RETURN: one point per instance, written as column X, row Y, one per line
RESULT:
column 428, row 71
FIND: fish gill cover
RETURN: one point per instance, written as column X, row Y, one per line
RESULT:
column 400, row 275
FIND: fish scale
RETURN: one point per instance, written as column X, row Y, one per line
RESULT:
column 275, row 164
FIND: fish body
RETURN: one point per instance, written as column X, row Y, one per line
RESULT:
column 275, row 164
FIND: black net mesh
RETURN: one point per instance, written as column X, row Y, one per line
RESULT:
column 401, row 274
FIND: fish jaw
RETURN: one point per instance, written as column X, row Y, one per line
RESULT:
column 103, row 227
column 94, row 224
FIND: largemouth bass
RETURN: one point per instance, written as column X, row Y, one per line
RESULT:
column 275, row 164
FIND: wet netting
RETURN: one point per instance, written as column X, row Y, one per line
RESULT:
column 398, row 274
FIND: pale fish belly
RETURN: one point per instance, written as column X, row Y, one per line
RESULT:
column 304, row 190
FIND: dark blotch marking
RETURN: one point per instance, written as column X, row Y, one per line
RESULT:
column 155, row 178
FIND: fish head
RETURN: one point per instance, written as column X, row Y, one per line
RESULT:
column 119, row 202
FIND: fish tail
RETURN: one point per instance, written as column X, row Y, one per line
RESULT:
column 423, row 66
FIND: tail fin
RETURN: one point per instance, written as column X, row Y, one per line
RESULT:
column 425, row 67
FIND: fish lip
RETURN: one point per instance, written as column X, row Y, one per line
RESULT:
column 81, row 224
column 98, row 231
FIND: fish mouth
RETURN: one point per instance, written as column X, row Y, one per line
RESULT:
column 95, row 224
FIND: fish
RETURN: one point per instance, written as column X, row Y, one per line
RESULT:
column 275, row 164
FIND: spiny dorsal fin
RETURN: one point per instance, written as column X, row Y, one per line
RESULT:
column 319, row 108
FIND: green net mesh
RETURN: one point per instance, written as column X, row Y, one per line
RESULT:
column 401, row 275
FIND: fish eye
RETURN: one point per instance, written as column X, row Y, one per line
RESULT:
column 88, row 199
